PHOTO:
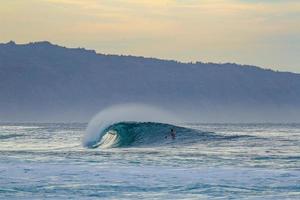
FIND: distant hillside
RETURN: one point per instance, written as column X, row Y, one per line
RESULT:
column 45, row 82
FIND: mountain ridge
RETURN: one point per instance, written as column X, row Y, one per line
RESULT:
column 43, row 81
column 48, row 43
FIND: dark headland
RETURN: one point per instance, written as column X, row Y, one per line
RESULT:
column 44, row 82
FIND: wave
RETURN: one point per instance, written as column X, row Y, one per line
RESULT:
column 10, row 136
column 125, row 134
column 140, row 125
column 110, row 121
column 137, row 134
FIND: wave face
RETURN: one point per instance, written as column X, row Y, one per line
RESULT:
column 136, row 134
column 124, row 125
column 134, row 125
column 126, row 134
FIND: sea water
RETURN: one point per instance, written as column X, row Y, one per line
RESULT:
column 229, row 161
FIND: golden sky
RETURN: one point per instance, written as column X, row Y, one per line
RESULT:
column 264, row 33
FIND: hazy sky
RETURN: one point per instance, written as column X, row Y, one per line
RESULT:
column 258, row 32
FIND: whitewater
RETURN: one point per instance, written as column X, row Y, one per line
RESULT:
column 125, row 152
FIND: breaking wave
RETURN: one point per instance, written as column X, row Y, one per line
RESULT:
column 139, row 125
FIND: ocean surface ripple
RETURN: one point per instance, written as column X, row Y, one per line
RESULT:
column 205, row 161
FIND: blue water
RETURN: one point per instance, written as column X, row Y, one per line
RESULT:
column 135, row 161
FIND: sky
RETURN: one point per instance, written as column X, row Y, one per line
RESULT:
column 265, row 33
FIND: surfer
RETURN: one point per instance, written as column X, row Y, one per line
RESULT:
column 172, row 134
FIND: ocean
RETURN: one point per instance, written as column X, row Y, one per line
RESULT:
column 135, row 160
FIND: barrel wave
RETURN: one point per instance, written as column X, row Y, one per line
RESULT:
column 141, row 126
column 127, row 134
column 149, row 134
column 124, row 125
